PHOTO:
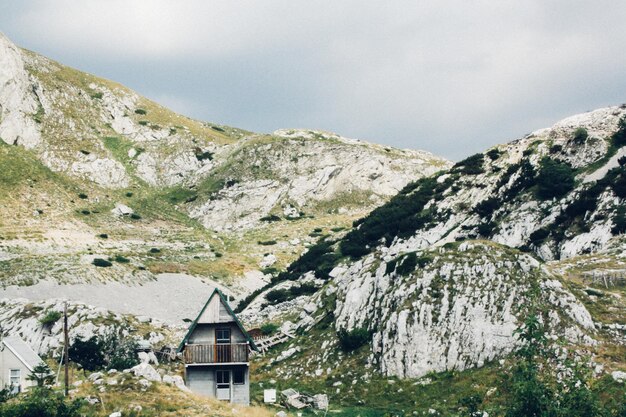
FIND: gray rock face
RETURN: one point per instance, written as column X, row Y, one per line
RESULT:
column 459, row 311
column 18, row 102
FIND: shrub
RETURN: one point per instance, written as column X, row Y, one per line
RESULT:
column 270, row 218
column 121, row 259
column 619, row 138
column 155, row 250
column 539, row 235
column 96, row 96
column 391, row 266
column 135, row 216
column 129, row 194
column 580, row 135
column 87, row 353
column 555, row 179
column 143, row 122
column 82, row 196
column 486, row 229
column 41, row 402
column 407, row 264
column 401, row 216
column 103, row 236
column 353, row 339
column 85, row 212
column 622, row 161
column 219, row 129
column 102, row 263
column 494, row 154
column 51, row 317
column 269, row 328
column 556, row 149
column 304, row 289
column 619, row 221
column 140, row 111
column 472, row 165
column 201, row 156
column 277, row 296
column 266, row 242
column 486, row 207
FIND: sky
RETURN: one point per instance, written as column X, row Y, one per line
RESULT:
column 452, row 77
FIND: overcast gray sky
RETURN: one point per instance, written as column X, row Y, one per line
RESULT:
column 449, row 76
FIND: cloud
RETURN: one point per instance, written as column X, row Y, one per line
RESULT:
column 449, row 76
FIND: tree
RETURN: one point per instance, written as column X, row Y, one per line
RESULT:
column 42, row 375
column 87, row 353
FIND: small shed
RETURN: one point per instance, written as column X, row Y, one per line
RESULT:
column 17, row 361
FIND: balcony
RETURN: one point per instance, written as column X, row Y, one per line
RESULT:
column 200, row 354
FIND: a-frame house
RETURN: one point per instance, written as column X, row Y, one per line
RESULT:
column 216, row 352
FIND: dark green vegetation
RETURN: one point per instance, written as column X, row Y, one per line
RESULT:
column 400, row 217
column 472, row 165
column 555, row 179
column 50, row 317
column 109, row 351
column 102, row 263
column 353, row 339
column 39, row 401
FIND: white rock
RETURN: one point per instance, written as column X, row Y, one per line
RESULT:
column 122, row 210
column 146, row 371
column 619, row 376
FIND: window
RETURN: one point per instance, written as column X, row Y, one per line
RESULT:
column 14, row 380
column 222, row 336
column 222, row 379
column 239, row 376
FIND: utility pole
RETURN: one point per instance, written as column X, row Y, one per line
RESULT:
column 66, row 350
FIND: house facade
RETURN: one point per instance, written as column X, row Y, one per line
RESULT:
column 216, row 352
column 17, row 361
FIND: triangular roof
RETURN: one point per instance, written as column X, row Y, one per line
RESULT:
column 22, row 351
column 230, row 311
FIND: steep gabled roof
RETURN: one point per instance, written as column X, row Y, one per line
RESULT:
column 193, row 325
column 22, row 351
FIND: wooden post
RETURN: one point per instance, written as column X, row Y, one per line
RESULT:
column 66, row 350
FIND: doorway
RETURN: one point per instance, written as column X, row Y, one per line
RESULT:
column 222, row 384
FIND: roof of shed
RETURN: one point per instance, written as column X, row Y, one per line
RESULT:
column 23, row 352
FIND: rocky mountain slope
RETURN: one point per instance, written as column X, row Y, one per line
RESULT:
column 440, row 277
column 90, row 169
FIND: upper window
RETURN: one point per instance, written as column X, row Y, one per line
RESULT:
column 222, row 336
column 223, row 312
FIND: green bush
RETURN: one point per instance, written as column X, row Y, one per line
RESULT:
column 41, row 402
column 87, row 353
column 305, row 289
column 266, row 242
column 556, row 149
column 555, row 179
column 539, row 235
column 135, row 216
column 83, row 196
column 277, row 296
column 619, row 221
column 103, row 236
column 269, row 328
column 472, row 165
column 155, row 250
column 140, row 111
column 580, row 135
column 121, row 259
column 270, row 218
column 401, row 217
column 407, row 265
column 494, row 154
column 353, row 339
column 486, row 207
column 102, row 263
column 50, row 317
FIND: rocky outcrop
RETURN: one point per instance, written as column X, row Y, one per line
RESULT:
column 18, row 99
column 458, row 310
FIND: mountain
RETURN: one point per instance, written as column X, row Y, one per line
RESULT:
column 438, row 280
column 90, row 169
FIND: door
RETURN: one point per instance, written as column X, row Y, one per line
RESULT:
column 222, row 384
column 223, row 346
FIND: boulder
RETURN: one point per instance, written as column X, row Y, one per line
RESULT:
column 146, row 371
column 122, row 210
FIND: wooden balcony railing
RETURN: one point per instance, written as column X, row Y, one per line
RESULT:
column 223, row 353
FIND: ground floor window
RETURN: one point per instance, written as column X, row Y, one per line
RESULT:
column 222, row 378
column 239, row 376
